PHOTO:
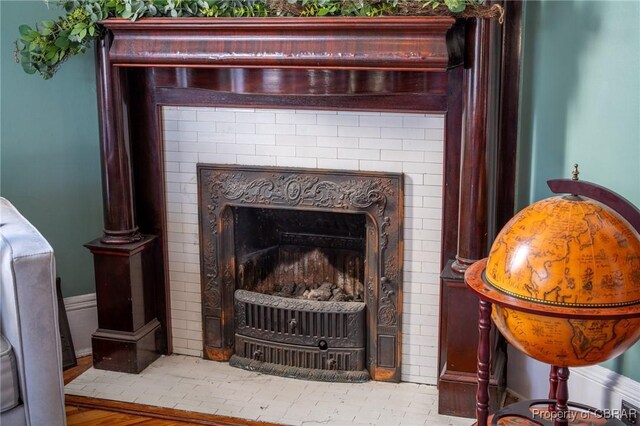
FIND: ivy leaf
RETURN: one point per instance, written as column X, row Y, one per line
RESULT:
column 24, row 30
column 52, row 52
column 455, row 6
column 28, row 67
column 62, row 42
column 27, row 37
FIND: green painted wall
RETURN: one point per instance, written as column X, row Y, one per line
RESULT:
column 49, row 152
column 581, row 103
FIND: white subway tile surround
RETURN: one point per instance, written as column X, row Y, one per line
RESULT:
column 366, row 141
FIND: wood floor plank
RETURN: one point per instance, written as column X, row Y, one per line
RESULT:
column 78, row 416
column 166, row 414
column 84, row 363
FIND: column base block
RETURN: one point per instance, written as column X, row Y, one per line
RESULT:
column 129, row 335
column 126, row 352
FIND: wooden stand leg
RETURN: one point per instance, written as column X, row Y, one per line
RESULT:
column 553, row 386
column 484, row 363
column 562, row 397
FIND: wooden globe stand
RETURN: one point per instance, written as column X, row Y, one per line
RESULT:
column 558, row 405
column 559, row 411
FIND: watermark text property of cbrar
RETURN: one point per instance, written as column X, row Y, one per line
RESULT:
column 571, row 415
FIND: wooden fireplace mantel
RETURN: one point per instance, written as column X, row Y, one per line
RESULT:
column 389, row 43
column 467, row 70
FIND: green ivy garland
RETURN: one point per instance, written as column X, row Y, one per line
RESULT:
column 44, row 47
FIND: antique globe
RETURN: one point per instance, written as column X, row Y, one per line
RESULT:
column 565, row 273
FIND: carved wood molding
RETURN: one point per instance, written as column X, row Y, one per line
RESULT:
column 385, row 43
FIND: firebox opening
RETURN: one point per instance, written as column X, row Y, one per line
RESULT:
column 300, row 254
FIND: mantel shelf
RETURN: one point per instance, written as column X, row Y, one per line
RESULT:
column 383, row 43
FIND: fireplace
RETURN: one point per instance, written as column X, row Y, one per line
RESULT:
column 368, row 142
column 147, row 272
column 301, row 269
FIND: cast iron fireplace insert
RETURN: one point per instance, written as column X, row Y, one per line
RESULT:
column 302, row 269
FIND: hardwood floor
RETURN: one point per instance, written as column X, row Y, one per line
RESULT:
column 80, row 416
column 83, row 411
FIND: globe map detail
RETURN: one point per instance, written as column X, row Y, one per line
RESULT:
column 571, row 252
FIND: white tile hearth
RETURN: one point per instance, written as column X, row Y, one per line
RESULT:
column 196, row 385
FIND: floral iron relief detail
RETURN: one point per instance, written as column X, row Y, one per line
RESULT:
column 211, row 258
column 387, row 310
column 300, row 190
column 227, row 218
column 384, row 236
column 241, row 314
column 212, row 296
column 370, row 291
column 227, row 278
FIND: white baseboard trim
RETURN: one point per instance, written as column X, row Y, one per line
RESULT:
column 605, row 387
column 82, row 312
column 595, row 385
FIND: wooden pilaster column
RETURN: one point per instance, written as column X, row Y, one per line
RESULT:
column 115, row 155
column 473, row 214
column 487, row 59
column 129, row 335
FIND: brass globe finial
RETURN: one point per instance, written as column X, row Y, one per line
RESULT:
column 575, row 172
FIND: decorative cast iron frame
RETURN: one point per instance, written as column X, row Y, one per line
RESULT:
column 377, row 195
